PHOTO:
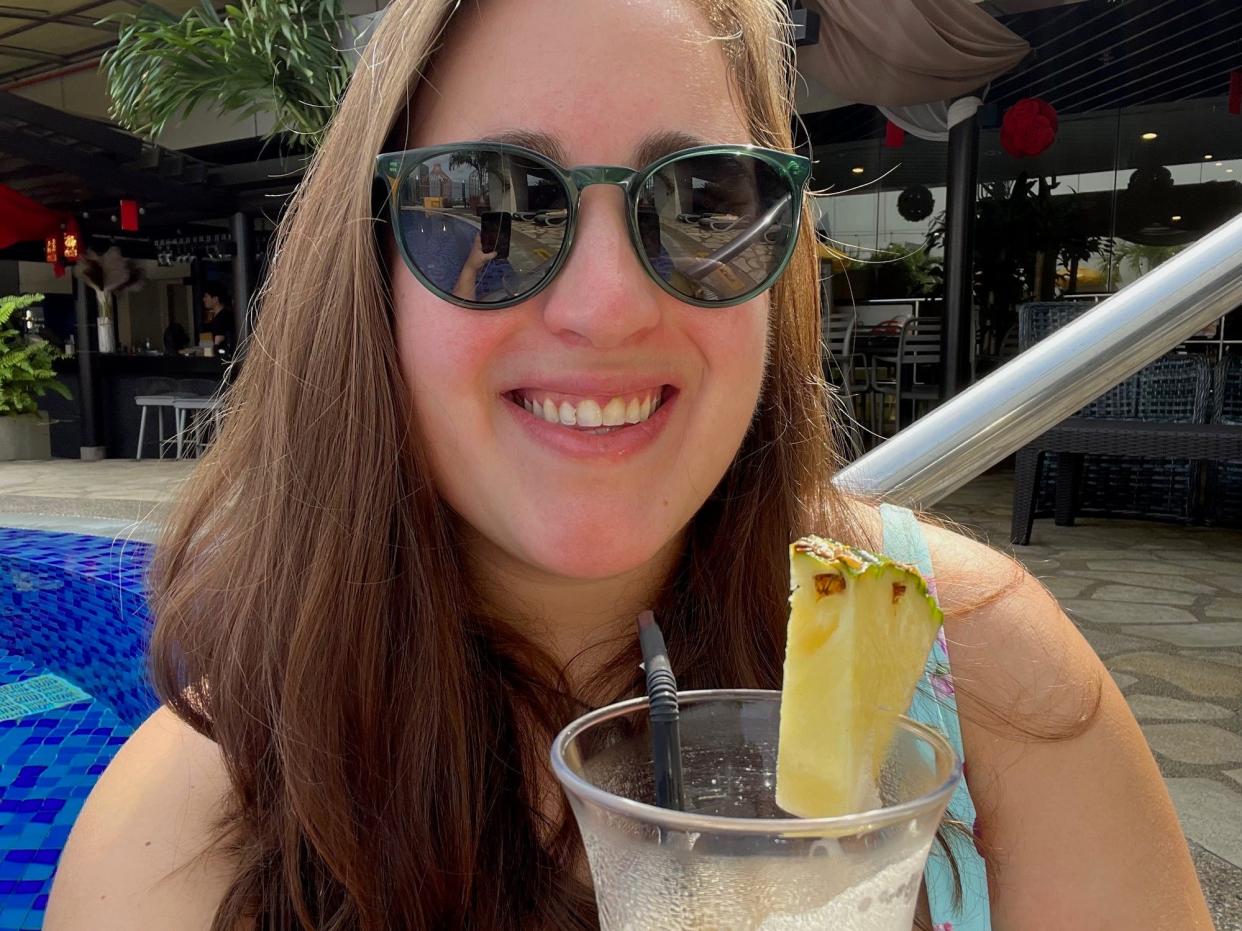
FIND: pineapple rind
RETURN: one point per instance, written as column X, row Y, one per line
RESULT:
column 854, row 561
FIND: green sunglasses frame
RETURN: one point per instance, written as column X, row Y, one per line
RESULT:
column 394, row 167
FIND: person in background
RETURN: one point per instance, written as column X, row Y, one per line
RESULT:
column 220, row 321
column 175, row 336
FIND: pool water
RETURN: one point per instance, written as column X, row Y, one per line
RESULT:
column 73, row 630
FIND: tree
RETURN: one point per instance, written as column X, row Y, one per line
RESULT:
column 283, row 57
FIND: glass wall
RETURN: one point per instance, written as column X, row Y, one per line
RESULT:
column 1146, row 160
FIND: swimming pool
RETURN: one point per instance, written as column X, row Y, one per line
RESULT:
column 73, row 630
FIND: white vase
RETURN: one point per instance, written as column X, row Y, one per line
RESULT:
column 106, row 328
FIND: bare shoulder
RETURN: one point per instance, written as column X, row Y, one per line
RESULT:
column 132, row 859
column 1059, row 768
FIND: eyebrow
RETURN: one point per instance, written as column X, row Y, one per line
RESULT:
column 655, row 145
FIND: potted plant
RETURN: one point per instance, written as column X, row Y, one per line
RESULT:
column 108, row 275
column 25, row 374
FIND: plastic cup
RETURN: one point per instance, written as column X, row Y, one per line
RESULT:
column 733, row 859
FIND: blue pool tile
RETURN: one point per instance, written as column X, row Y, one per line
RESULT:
column 71, row 607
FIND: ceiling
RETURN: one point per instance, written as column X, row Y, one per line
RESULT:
column 56, row 35
column 1113, row 71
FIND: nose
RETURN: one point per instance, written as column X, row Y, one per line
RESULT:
column 602, row 297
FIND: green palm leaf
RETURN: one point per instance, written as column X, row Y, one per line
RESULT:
column 282, row 57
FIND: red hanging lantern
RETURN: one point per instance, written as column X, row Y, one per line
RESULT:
column 51, row 252
column 129, row 216
column 894, row 136
column 1028, row 128
column 71, row 241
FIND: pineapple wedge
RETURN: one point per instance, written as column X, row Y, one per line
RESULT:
column 860, row 628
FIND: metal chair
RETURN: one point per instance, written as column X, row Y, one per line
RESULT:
column 158, row 393
column 841, row 363
column 906, row 374
column 1224, row 485
column 196, row 418
column 197, row 409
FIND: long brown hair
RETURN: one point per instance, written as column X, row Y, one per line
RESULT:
column 385, row 738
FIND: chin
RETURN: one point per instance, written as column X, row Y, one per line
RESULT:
column 594, row 554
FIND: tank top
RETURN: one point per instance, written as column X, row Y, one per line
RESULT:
column 934, row 704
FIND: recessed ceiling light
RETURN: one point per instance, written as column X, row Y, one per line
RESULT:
column 1218, row 164
column 858, row 169
column 1207, row 158
column 1149, row 136
column 1176, row 217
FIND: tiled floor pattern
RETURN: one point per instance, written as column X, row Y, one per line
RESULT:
column 1162, row 605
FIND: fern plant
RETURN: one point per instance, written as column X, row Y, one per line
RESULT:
column 262, row 56
column 25, row 368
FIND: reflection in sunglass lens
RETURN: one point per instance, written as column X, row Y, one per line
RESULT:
column 482, row 225
column 715, row 227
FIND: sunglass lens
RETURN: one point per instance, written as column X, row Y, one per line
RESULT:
column 483, row 225
column 717, row 227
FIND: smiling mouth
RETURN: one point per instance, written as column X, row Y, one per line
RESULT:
column 591, row 415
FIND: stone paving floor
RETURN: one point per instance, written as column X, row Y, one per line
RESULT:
column 1160, row 603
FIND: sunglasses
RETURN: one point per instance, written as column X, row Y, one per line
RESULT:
column 487, row 226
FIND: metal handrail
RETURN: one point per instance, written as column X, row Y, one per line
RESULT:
column 1048, row 382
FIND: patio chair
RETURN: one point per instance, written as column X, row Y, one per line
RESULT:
column 1173, row 389
column 992, row 357
column 158, row 393
column 841, row 363
column 913, row 373
column 1167, row 391
column 196, row 410
column 1224, row 482
column 1150, row 469
column 197, row 420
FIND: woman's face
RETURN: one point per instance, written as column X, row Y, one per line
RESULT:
column 211, row 304
column 599, row 77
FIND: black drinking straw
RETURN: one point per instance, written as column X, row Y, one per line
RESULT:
column 662, row 701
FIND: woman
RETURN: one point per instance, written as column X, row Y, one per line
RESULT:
column 390, row 581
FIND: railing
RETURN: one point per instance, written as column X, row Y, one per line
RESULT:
column 1023, row 398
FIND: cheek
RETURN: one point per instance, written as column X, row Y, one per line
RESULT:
column 445, row 354
column 735, row 351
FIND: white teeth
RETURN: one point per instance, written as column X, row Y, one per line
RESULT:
column 589, row 414
column 614, row 413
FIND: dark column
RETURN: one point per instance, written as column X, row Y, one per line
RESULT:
column 243, row 272
column 959, row 333
column 196, row 299
column 92, row 444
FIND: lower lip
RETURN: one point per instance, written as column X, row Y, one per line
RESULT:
column 628, row 441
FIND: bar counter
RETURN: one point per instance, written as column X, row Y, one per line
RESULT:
column 119, row 379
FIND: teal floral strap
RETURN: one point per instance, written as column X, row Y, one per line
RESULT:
column 935, row 705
